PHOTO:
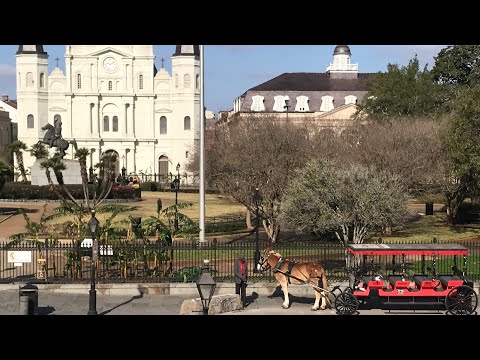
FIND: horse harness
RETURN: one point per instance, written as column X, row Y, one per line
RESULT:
column 287, row 273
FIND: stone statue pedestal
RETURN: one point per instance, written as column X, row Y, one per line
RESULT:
column 71, row 175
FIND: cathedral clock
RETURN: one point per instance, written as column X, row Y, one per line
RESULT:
column 110, row 64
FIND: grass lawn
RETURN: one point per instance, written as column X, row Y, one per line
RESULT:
column 428, row 227
column 216, row 206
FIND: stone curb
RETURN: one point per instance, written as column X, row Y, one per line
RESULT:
column 175, row 289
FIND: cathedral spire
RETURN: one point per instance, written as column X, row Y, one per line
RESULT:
column 187, row 50
column 31, row 49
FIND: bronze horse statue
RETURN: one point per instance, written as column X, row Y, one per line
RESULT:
column 53, row 140
column 296, row 273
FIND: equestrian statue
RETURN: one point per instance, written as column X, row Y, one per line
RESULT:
column 53, row 137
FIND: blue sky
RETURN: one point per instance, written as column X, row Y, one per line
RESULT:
column 230, row 70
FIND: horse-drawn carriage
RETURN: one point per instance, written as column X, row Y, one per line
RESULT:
column 422, row 289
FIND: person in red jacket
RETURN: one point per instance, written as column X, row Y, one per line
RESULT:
column 241, row 274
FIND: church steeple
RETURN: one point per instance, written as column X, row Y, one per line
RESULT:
column 185, row 50
column 31, row 49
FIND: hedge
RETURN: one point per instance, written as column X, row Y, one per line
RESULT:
column 22, row 191
column 156, row 186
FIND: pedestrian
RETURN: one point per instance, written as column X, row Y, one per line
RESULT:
column 241, row 274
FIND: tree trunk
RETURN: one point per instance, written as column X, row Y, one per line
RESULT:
column 21, row 167
column 248, row 219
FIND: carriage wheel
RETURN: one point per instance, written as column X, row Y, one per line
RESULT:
column 346, row 303
column 336, row 289
column 461, row 300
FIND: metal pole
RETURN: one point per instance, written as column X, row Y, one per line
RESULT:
column 257, row 250
column 177, row 185
column 92, row 300
column 202, row 149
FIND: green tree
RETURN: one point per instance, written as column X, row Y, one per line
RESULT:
column 81, row 154
column 457, row 65
column 17, row 147
column 404, row 91
column 462, row 142
column 39, row 151
column 349, row 201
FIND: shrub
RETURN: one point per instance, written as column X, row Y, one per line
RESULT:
column 22, row 191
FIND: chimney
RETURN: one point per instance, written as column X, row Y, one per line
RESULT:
column 4, row 98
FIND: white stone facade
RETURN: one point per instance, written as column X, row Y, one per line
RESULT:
column 111, row 100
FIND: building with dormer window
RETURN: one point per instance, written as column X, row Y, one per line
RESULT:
column 329, row 98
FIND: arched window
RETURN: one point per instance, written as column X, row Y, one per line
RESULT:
column 110, row 86
column 29, row 80
column 79, row 81
column 186, row 123
column 279, row 104
column 30, row 122
column 197, row 81
column 302, row 103
column 350, row 99
column 176, row 80
column 186, row 81
column 106, row 123
column 42, row 80
column 163, row 165
column 327, row 103
column 140, row 82
column 186, row 154
column 257, row 103
column 115, row 124
column 163, row 125
column 19, row 80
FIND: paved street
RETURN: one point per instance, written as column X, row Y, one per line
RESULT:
column 75, row 304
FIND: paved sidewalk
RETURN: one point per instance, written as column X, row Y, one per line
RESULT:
column 77, row 304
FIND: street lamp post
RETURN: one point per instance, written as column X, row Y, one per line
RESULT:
column 286, row 106
column 206, row 287
column 176, row 184
column 92, row 300
column 257, row 200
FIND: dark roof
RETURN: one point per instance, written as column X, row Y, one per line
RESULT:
column 181, row 50
column 12, row 103
column 29, row 49
column 313, row 82
column 342, row 49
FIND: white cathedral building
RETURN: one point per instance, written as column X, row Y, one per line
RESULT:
column 112, row 99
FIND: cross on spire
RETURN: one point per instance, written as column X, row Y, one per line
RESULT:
column 57, row 60
column 162, row 60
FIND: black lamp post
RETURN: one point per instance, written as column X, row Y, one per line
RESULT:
column 257, row 200
column 92, row 300
column 206, row 287
column 176, row 184
column 287, row 106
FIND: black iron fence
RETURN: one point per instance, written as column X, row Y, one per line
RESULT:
column 182, row 261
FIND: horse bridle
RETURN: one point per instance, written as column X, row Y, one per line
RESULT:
column 263, row 261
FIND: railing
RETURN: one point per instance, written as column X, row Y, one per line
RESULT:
column 342, row 67
column 182, row 261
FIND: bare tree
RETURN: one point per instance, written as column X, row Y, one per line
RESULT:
column 257, row 151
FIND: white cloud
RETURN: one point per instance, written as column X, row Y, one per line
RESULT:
column 7, row 70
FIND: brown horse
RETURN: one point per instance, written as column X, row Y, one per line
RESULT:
column 296, row 273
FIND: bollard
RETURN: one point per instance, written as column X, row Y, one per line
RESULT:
column 28, row 297
column 24, row 301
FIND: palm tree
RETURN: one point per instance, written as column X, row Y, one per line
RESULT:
column 39, row 151
column 5, row 173
column 81, row 154
column 105, row 179
column 46, row 164
column 16, row 147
